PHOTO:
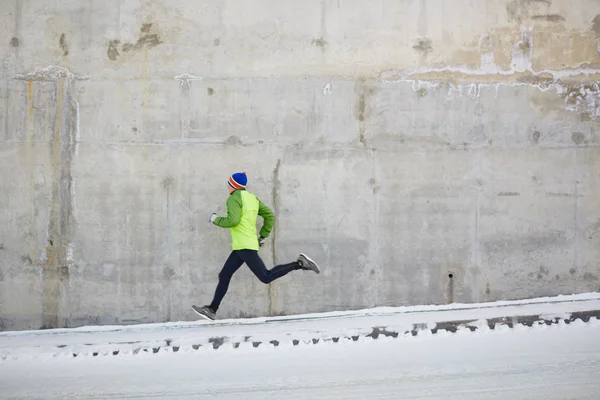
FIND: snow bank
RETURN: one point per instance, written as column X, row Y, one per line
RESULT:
column 297, row 331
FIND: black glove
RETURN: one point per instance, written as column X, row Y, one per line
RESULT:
column 261, row 241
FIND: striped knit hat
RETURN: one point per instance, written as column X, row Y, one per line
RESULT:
column 238, row 180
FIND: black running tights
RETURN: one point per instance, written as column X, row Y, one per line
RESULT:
column 256, row 265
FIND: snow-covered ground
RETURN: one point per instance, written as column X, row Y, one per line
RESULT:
column 556, row 361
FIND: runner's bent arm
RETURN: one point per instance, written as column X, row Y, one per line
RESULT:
column 234, row 212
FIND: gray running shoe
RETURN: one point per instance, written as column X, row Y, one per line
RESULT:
column 307, row 263
column 205, row 312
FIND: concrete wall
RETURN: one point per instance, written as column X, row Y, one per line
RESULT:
column 398, row 142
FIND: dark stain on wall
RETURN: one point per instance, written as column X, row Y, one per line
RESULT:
column 14, row 42
column 508, row 194
column 113, row 51
column 361, row 107
column 233, row 140
column 518, row 10
column 423, row 45
column 146, row 40
column 363, row 92
column 361, row 117
column 320, row 42
column 374, row 185
column 168, row 182
column 596, row 25
column 525, row 46
column 577, row 137
column 548, row 17
column 63, row 44
column 588, row 276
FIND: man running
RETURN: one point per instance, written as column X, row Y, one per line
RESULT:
column 243, row 208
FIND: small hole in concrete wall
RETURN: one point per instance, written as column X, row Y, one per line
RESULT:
column 450, row 288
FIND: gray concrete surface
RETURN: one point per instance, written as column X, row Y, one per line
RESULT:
column 399, row 142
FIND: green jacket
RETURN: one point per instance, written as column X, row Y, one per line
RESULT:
column 242, row 210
